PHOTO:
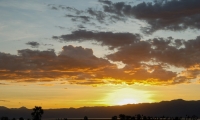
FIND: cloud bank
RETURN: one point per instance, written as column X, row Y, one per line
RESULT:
column 149, row 59
column 78, row 65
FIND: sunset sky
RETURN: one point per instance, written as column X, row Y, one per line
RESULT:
column 75, row 53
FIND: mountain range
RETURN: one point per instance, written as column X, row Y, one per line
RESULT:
column 174, row 108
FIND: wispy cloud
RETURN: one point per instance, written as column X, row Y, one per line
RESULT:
column 33, row 44
column 4, row 101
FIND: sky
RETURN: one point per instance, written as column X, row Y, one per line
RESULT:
column 76, row 53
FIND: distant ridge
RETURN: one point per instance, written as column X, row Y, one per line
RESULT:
column 3, row 108
column 171, row 108
column 23, row 108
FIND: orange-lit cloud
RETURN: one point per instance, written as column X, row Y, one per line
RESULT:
column 30, row 66
column 145, row 60
column 78, row 65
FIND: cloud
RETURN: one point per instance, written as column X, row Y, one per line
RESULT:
column 47, row 44
column 4, row 101
column 152, row 57
column 33, row 44
column 84, row 18
column 163, row 15
column 193, row 72
column 179, row 53
column 3, row 84
column 99, row 15
column 110, row 39
column 73, row 63
column 175, row 15
column 48, row 85
column 88, row 16
column 78, row 65
column 163, row 53
column 54, row 8
column 60, row 27
column 146, row 61
column 63, row 7
column 105, row 2
column 170, row 15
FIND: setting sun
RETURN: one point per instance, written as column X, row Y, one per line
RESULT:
column 127, row 101
column 125, row 96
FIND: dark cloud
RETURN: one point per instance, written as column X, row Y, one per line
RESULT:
column 110, row 39
column 134, row 53
column 80, row 26
column 105, row 2
column 115, row 8
column 160, row 50
column 88, row 16
column 172, row 15
column 165, row 14
column 33, row 44
column 165, row 53
column 54, row 8
column 104, row 18
column 82, row 18
column 173, row 9
column 99, row 15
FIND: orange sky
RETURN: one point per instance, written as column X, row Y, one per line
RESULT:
column 65, row 95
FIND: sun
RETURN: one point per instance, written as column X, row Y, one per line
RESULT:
column 125, row 96
column 127, row 101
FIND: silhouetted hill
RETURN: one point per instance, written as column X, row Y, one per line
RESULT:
column 167, row 108
column 3, row 108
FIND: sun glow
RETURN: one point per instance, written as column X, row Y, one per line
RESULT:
column 125, row 96
column 127, row 101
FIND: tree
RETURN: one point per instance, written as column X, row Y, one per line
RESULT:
column 85, row 118
column 128, row 117
column 139, row 117
column 37, row 113
column 4, row 118
column 114, row 118
column 122, row 116
column 21, row 118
